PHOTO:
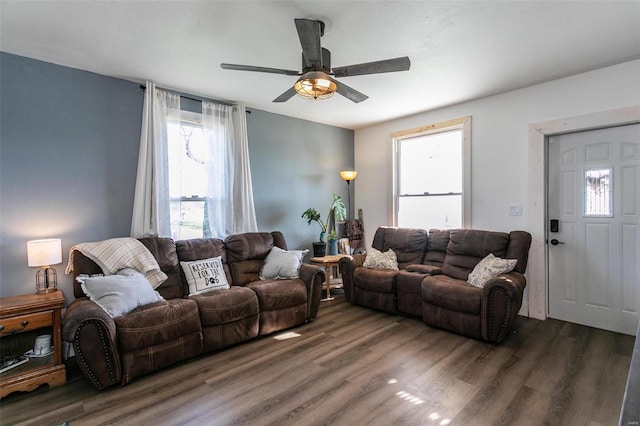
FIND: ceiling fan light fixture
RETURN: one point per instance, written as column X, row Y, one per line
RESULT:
column 315, row 85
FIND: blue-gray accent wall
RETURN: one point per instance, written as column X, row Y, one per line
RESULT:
column 295, row 164
column 68, row 157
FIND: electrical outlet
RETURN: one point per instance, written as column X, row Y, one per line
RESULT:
column 515, row 210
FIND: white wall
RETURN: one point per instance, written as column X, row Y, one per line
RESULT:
column 499, row 143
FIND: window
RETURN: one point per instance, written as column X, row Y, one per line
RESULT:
column 187, row 179
column 193, row 175
column 431, row 187
column 197, row 154
column 597, row 192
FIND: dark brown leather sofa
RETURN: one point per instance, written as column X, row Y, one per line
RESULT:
column 116, row 350
column 432, row 279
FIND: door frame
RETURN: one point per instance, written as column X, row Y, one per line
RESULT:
column 537, row 273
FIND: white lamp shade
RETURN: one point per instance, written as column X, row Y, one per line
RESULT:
column 44, row 252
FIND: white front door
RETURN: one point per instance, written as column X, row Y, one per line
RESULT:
column 594, row 257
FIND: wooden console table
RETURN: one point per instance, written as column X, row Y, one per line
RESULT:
column 328, row 262
column 22, row 318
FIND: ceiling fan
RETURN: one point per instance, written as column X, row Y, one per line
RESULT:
column 315, row 80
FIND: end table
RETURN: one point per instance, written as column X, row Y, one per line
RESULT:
column 22, row 319
column 327, row 262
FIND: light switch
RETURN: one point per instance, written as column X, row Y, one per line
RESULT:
column 515, row 210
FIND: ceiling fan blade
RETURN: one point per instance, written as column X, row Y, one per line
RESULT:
column 309, row 33
column 286, row 95
column 348, row 92
column 388, row 65
column 257, row 69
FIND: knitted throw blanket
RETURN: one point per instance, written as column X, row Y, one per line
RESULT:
column 118, row 253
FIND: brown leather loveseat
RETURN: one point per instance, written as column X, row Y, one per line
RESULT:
column 431, row 280
column 116, row 350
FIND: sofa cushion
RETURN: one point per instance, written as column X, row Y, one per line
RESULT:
column 246, row 253
column 452, row 294
column 201, row 248
column 378, row 260
column 282, row 264
column 164, row 250
column 467, row 247
column 205, row 275
column 246, row 271
column 252, row 245
column 409, row 244
column 279, row 294
column 375, row 280
column 158, row 323
column 436, row 246
column 225, row 306
column 489, row 267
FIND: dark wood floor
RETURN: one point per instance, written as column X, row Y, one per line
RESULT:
column 355, row 366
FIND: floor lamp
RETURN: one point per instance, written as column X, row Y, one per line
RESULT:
column 348, row 176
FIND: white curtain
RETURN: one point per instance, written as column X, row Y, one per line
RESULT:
column 151, row 199
column 229, row 192
column 229, row 197
column 244, row 212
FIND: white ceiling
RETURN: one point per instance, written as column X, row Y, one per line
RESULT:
column 459, row 50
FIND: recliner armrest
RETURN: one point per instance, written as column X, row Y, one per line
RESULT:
column 313, row 277
column 348, row 265
column 501, row 301
column 93, row 335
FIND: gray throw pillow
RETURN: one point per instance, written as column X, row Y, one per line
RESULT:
column 121, row 293
column 282, row 264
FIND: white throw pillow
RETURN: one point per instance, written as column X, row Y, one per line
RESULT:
column 205, row 275
column 282, row 264
column 377, row 260
column 489, row 267
column 121, row 293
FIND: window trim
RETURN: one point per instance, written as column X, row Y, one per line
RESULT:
column 462, row 123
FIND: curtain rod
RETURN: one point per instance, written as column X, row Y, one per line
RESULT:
column 143, row 87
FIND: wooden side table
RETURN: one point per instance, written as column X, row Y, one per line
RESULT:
column 22, row 318
column 327, row 262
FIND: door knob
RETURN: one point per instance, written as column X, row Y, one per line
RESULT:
column 556, row 242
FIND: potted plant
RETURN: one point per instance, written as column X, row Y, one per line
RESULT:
column 332, row 240
column 312, row 215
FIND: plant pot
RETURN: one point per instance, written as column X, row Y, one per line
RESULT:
column 319, row 249
column 333, row 247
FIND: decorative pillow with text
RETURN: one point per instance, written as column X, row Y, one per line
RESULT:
column 205, row 275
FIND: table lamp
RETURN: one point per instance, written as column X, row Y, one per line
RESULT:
column 45, row 253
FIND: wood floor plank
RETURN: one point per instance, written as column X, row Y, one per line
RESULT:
column 356, row 366
column 519, row 411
